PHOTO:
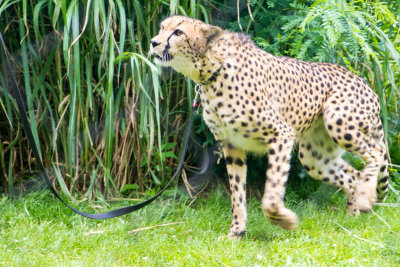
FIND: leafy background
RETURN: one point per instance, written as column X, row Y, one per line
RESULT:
column 109, row 122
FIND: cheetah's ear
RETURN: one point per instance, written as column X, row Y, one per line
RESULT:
column 211, row 33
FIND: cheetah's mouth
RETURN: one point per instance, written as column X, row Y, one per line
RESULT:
column 165, row 57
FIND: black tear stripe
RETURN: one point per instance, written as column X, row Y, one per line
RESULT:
column 167, row 46
column 187, row 40
column 174, row 33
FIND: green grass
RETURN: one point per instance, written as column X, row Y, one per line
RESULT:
column 37, row 230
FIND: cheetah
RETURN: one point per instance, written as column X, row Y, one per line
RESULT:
column 255, row 102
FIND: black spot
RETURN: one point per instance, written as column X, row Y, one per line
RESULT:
column 237, row 178
column 228, row 160
column 314, row 154
column 383, row 180
column 348, row 137
column 240, row 234
column 339, row 122
column 239, row 162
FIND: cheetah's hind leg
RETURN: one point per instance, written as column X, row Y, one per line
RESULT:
column 359, row 139
column 322, row 158
column 374, row 176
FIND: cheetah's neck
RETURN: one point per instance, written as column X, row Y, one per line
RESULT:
column 202, row 66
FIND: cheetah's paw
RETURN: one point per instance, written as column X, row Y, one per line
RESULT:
column 365, row 196
column 285, row 219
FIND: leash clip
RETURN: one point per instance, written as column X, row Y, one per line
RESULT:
column 196, row 97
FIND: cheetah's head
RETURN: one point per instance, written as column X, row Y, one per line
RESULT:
column 181, row 42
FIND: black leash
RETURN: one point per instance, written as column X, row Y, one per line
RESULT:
column 32, row 143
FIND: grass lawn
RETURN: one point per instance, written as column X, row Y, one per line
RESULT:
column 36, row 230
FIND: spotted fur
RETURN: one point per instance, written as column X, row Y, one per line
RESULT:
column 264, row 104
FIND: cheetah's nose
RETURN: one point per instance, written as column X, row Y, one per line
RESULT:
column 154, row 43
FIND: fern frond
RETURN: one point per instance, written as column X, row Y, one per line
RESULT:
column 304, row 49
column 359, row 18
column 292, row 22
column 382, row 12
column 361, row 39
column 335, row 18
column 333, row 26
column 314, row 13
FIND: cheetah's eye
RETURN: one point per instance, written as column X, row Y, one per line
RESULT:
column 178, row 32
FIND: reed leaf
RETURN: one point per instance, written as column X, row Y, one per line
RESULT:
column 95, row 101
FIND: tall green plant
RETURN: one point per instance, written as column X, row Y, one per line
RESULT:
column 100, row 113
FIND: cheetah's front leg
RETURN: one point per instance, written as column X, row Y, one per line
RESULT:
column 236, row 166
column 280, row 148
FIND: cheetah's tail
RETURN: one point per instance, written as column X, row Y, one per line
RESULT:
column 383, row 179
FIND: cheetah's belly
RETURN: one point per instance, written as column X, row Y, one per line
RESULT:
column 223, row 131
column 247, row 144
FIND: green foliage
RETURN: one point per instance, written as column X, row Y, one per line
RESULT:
column 97, row 107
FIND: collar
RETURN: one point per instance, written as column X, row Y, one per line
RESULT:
column 213, row 77
column 207, row 82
